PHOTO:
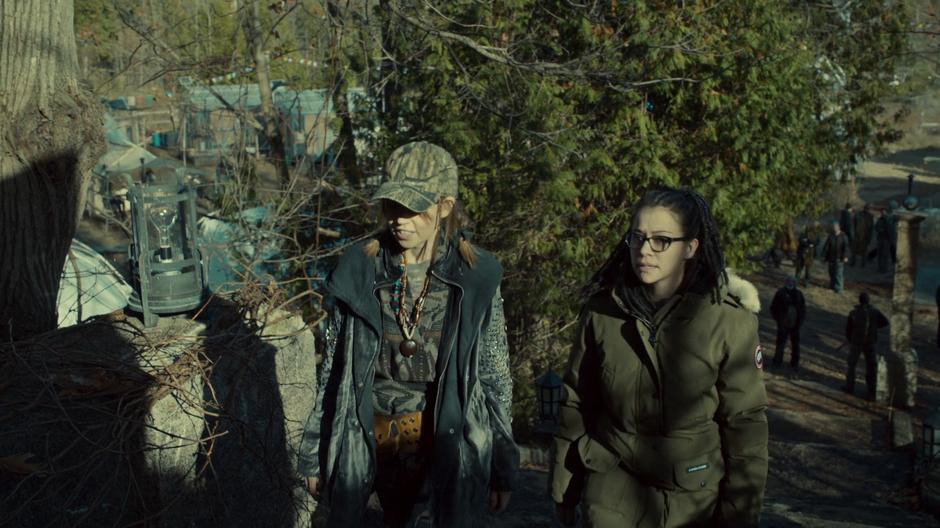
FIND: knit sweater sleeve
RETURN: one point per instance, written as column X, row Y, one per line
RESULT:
column 497, row 385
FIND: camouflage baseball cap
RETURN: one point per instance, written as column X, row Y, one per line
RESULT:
column 418, row 174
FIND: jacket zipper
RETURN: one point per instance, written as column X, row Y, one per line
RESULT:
column 378, row 345
column 361, row 388
column 653, row 330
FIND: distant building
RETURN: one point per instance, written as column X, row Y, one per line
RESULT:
column 139, row 117
column 122, row 157
column 215, row 122
column 213, row 119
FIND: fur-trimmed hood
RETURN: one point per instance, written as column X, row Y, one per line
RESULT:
column 743, row 291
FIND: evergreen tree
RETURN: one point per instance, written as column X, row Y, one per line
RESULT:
column 561, row 115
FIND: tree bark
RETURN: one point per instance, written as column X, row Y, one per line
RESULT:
column 391, row 94
column 271, row 121
column 51, row 134
column 347, row 159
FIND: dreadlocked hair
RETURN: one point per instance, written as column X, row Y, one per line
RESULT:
column 704, row 272
column 456, row 221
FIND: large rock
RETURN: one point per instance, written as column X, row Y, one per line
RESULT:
column 174, row 426
column 231, row 441
column 902, row 378
column 258, row 394
column 190, row 423
column 295, row 368
column 902, row 430
column 882, row 390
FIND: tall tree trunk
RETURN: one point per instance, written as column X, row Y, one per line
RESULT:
column 391, row 93
column 271, row 121
column 346, row 157
column 51, row 134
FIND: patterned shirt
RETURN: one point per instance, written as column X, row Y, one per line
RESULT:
column 401, row 384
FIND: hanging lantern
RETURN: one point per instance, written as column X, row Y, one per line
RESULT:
column 167, row 269
column 550, row 397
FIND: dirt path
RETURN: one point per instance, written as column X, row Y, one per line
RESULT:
column 831, row 458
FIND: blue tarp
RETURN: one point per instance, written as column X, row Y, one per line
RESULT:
column 240, row 250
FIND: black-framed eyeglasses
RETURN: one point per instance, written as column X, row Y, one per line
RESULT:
column 658, row 243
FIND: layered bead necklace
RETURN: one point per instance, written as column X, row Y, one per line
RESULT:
column 408, row 319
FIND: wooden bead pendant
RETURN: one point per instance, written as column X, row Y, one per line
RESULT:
column 408, row 348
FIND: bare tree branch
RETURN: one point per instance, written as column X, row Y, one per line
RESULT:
column 503, row 56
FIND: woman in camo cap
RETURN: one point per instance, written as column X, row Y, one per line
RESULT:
column 415, row 396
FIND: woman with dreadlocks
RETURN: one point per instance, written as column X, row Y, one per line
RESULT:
column 415, row 392
column 664, row 423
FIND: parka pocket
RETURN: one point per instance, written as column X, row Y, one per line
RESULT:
column 621, row 391
column 700, row 473
column 595, row 456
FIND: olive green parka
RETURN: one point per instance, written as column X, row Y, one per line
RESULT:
column 664, row 421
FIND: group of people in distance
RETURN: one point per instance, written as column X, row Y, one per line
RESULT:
column 788, row 309
column 848, row 241
column 663, row 420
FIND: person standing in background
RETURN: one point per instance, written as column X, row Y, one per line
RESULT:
column 789, row 310
column 805, row 254
column 861, row 331
column 818, row 232
column 864, row 225
column 847, row 222
column 893, row 222
column 883, row 235
column 836, row 253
